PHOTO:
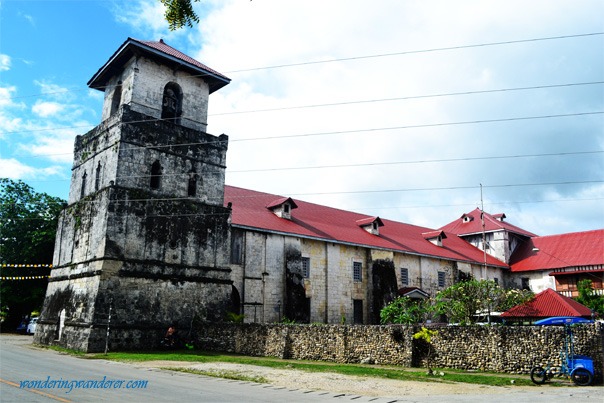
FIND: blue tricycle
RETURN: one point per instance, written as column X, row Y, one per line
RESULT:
column 580, row 368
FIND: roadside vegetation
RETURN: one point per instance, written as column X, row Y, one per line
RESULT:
column 458, row 303
column 377, row 371
column 28, row 224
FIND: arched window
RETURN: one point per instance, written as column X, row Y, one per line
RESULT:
column 97, row 179
column 155, row 175
column 116, row 98
column 171, row 107
column 83, row 188
column 192, row 189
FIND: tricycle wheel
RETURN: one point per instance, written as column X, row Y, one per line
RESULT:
column 538, row 375
column 582, row 377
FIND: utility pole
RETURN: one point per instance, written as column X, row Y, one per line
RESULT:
column 108, row 324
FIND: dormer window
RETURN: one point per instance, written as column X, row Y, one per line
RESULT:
column 466, row 218
column 499, row 217
column 282, row 207
column 371, row 224
column 435, row 237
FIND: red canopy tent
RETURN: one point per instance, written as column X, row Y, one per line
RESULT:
column 546, row 304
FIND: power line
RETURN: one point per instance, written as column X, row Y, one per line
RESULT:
column 422, row 126
column 449, row 94
column 353, row 58
column 416, row 51
column 337, row 104
column 374, row 129
column 503, row 203
column 163, row 199
column 422, row 206
column 446, row 188
column 417, row 161
column 429, row 161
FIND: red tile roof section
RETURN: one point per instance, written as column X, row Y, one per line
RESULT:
column 474, row 225
column 559, row 251
column 169, row 50
column 331, row 224
column 546, row 304
column 159, row 49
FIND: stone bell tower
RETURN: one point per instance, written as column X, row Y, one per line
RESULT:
column 144, row 240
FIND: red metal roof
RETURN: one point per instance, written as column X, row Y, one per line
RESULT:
column 559, row 251
column 473, row 224
column 548, row 303
column 331, row 224
column 160, row 50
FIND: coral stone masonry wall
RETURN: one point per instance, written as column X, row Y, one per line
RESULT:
column 511, row 349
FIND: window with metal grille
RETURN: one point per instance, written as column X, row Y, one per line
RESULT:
column 441, row 279
column 357, row 271
column 306, row 267
column 404, row 276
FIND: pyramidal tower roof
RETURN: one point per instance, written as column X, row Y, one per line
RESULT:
column 157, row 50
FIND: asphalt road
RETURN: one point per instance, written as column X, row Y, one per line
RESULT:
column 21, row 364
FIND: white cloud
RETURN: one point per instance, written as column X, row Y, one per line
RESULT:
column 55, row 91
column 96, row 95
column 15, row 169
column 144, row 17
column 6, row 96
column 237, row 35
column 29, row 18
column 5, row 62
column 47, row 109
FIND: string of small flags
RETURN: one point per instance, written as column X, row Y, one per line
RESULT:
column 23, row 266
column 23, row 278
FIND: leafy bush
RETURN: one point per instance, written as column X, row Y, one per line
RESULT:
column 406, row 311
column 234, row 317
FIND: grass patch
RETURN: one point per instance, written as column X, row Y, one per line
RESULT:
column 376, row 371
column 226, row 374
column 63, row 350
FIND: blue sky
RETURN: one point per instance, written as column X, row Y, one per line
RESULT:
column 399, row 109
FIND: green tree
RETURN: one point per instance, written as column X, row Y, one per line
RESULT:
column 406, row 311
column 589, row 298
column 28, row 224
column 462, row 301
column 179, row 13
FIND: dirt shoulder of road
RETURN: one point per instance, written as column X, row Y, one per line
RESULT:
column 332, row 382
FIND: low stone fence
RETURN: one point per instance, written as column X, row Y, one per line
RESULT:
column 511, row 349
